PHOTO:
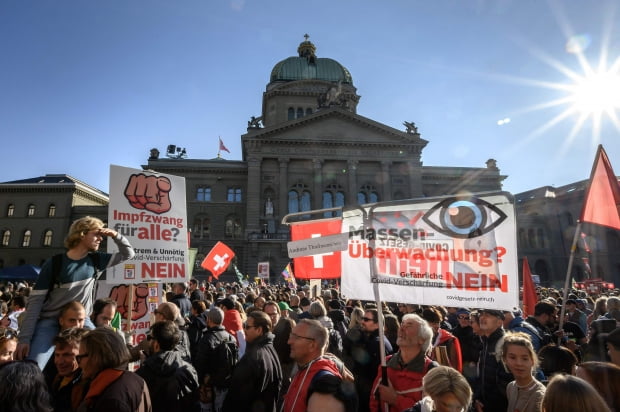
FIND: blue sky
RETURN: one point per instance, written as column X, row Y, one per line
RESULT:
column 85, row 84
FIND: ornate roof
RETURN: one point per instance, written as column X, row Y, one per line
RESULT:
column 308, row 66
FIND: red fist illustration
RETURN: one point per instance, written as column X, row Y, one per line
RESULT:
column 149, row 192
column 120, row 294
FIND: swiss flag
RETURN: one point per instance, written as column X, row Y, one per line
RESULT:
column 323, row 266
column 218, row 259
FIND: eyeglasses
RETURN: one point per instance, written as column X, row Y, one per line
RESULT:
column 296, row 336
column 368, row 319
column 246, row 326
column 78, row 358
column 8, row 333
column 463, row 317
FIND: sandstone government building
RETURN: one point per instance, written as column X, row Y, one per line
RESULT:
column 309, row 149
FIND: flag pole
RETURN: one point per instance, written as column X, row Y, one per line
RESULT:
column 568, row 276
column 375, row 289
column 219, row 146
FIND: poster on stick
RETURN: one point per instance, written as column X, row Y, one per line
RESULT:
column 149, row 209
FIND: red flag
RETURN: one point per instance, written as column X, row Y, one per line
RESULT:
column 222, row 147
column 529, row 291
column 601, row 205
column 323, row 266
column 218, row 259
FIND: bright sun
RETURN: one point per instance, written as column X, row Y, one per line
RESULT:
column 597, row 94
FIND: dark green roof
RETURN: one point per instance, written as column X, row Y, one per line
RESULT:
column 308, row 66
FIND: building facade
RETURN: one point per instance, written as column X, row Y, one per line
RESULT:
column 37, row 213
column 308, row 150
column 547, row 220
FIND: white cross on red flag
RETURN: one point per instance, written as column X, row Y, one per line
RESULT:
column 320, row 266
column 218, row 259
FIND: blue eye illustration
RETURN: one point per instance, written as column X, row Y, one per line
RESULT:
column 464, row 218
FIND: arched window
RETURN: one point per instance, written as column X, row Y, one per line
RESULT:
column 291, row 113
column 31, row 210
column 300, row 112
column 10, row 211
column 299, row 199
column 47, row 238
column 202, row 227
column 333, row 196
column 308, row 111
column 51, row 211
column 203, row 194
column 367, row 194
column 232, row 228
column 6, row 237
column 26, row 240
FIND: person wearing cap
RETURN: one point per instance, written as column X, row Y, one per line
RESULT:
column 469, row 342
column 490, row 390
column 285, row 309
column 514, row 322
column 338, row 317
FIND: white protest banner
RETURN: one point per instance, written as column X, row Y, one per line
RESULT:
column 452, row 251
column 149, row 209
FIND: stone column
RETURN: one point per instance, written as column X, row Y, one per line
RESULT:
column 386, row 181
column 253, row 202
column 352, row 181
column 283, row 186
column 317, row 189
column 415, row 179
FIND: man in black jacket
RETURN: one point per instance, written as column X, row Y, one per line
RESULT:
column 492, row 377
column 209, row 360
column 257, row 378
column 180, row 299
column 172, row 382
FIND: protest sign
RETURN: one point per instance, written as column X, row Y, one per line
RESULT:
column 149, row 209
column 453, row 251
column 450, row 251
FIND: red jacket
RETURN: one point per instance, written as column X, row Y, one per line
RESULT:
column 405, row 379
column 453, row 347
column 295, row 398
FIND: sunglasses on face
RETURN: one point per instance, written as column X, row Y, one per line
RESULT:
column 464, row 317
column 8, row 333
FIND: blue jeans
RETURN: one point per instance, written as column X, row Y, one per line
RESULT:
column 41, row 345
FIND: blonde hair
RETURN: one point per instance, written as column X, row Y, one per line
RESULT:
column 519, row 339
column 444, row 379
column 570, row 393
column 80, row 228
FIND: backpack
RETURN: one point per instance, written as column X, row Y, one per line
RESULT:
column 227, row 354
column 57, row 266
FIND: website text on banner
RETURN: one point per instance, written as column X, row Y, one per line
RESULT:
column 150, row 210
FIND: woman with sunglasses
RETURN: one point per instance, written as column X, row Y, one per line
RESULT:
column 8, row 344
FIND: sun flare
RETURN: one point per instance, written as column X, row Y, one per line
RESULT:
column 597, row 94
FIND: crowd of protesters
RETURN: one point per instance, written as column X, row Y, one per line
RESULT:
column 232, row 347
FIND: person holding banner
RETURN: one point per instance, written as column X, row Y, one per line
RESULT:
column 406, row 369
column 70, row 278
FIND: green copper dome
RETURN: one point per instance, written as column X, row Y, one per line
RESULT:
column 308, row 66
